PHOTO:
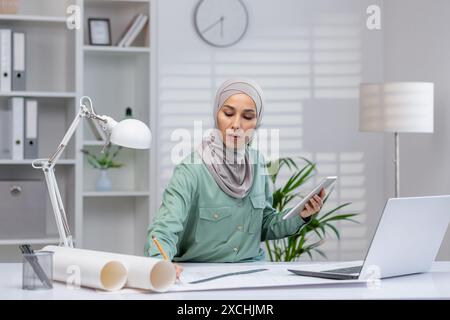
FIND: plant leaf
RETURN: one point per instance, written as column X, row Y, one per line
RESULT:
column 334, row 230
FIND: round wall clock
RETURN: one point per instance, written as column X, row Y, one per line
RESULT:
column 221, row 23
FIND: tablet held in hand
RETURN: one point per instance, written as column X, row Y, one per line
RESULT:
column 325, row 183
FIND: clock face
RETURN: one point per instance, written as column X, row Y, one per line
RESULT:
column 221, row 23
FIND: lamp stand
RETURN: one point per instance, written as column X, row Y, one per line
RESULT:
column 48, row 167
column 397, row 164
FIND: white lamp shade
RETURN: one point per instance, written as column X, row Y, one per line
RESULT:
column 131, row 133
column 396, row 107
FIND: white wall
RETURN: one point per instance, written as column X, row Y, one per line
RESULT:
column 309, row 57
column 417, row 48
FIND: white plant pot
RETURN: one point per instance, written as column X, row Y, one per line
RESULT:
column 103, row 181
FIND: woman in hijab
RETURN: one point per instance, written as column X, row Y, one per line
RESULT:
column 218, row 204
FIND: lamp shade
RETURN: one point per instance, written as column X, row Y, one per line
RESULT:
column 131, row 133
column 396, row 107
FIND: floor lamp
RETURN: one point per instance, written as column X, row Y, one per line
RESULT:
column 130, row 133
column 396, row 107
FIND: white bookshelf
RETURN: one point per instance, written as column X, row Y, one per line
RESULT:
column 39, row 94
column 50, row 79
column 116, row 78
column 18, row 242
column 103, row 49
column 32, row 18
column 29, row 161
column 61, row 68
column 88, row 143
column 116, row 193
column 117, row 1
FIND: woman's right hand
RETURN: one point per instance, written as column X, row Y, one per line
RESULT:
column 178, row 269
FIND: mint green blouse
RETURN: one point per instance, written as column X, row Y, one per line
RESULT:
column 199, row 222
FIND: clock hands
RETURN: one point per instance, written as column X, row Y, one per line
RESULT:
column 221, row 19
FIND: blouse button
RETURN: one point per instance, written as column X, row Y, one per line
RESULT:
column 216, row 216
column 235, row 249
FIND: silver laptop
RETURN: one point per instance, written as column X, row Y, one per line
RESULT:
column 406, row 241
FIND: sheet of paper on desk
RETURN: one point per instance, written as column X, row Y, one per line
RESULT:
column 274, row 276
column 202, row 275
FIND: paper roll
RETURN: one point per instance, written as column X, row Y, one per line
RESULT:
column 141, row 272
column 101, row 273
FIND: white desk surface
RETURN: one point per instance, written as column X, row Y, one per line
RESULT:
column 432, row 285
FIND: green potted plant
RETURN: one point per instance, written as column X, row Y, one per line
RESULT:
column 104, row 162
column 309, row 238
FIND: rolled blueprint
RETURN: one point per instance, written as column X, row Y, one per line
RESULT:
column 141, row 272
column 102, row 272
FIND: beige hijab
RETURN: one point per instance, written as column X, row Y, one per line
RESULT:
column 231, row 169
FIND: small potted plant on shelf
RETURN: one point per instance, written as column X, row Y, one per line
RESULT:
column 104, row 162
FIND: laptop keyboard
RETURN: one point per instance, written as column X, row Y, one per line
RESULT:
column 348, row 270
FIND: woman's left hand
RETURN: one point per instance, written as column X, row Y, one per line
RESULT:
column 314, row 205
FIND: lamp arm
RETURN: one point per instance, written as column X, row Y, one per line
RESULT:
column 58, row 208
column 65, row 140
column 47, row 166
column 84, row 112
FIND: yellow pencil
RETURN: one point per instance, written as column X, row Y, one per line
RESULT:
column 161, row 250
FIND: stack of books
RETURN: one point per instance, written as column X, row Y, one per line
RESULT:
column 132, row 31
column 8, row 6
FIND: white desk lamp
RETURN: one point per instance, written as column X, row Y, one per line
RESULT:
column 128, row 133
column 396, row 107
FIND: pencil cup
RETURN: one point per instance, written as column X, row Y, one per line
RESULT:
column 37, row 270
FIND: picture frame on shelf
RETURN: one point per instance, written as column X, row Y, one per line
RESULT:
column 99, row 30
